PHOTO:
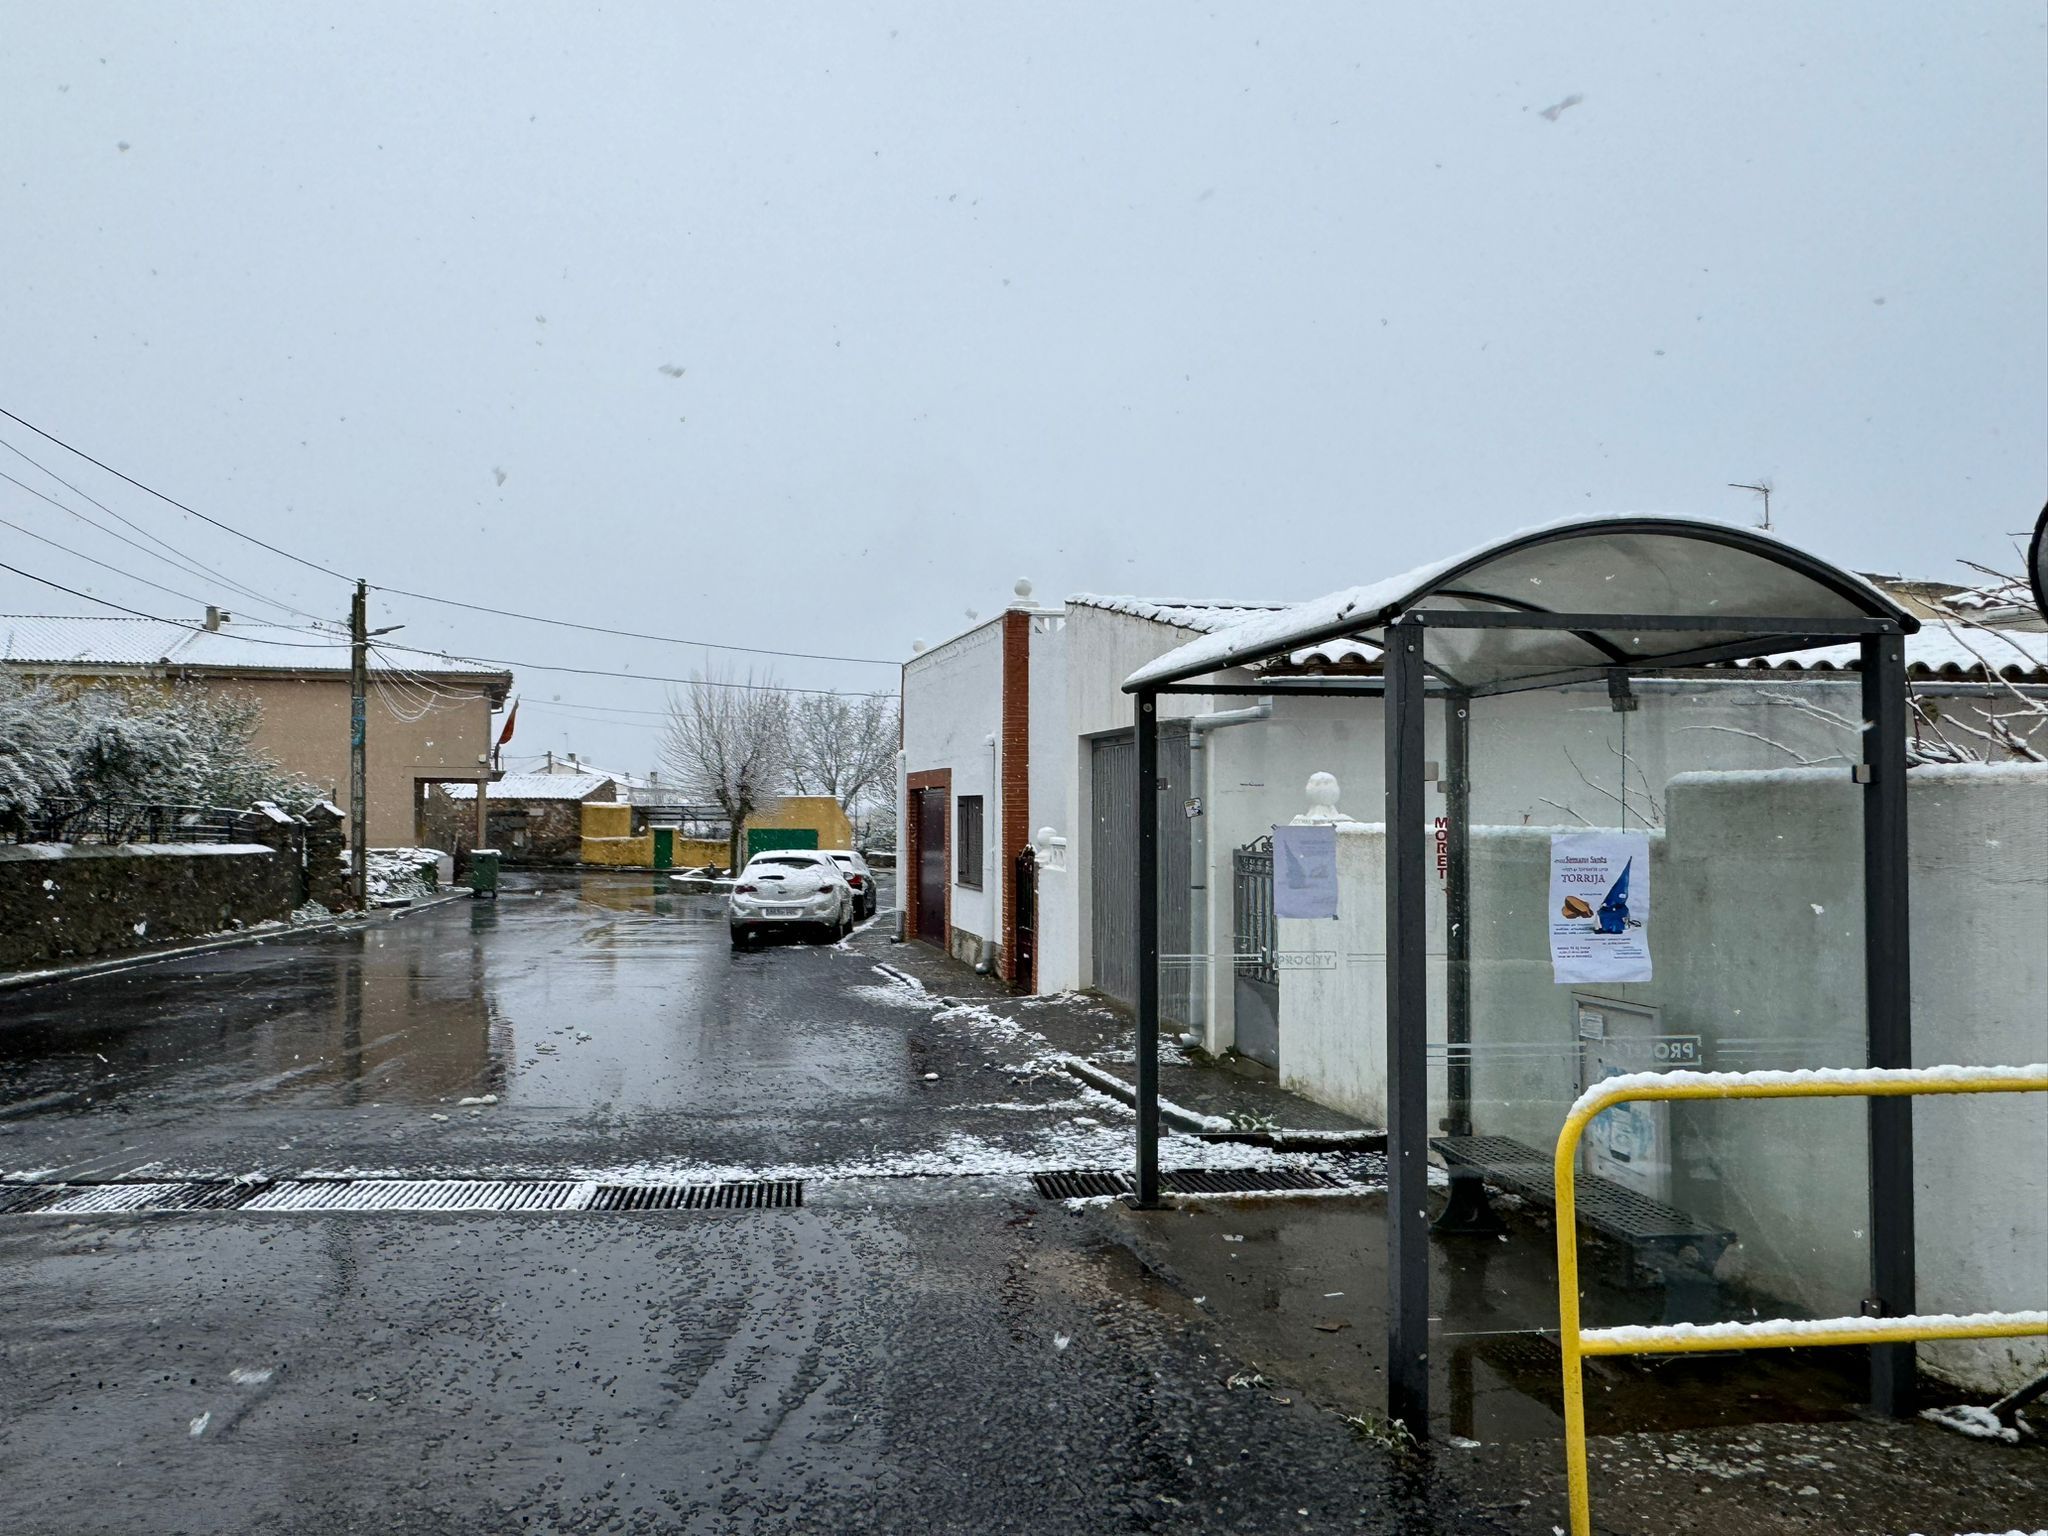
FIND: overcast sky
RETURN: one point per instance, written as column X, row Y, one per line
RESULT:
column 815, row 327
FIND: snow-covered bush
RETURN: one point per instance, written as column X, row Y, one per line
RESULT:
column 182, row 746
column 35, row 748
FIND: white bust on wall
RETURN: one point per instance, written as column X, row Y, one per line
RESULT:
column 1322, row 790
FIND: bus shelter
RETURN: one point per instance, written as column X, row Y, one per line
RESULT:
column 1728, row 890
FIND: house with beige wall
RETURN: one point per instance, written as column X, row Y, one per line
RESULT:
column 428, row 720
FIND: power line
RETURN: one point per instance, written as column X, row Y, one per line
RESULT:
column 172, row 500
column 177, row 556
column 632, row 634
column 295, row 645
column 645, row 677
column 190, row 568
column 89, row 560
column 427, row 597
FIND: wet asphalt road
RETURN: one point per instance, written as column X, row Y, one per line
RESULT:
column 903, row 1354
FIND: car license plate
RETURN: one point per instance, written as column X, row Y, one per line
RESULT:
column 780, row 911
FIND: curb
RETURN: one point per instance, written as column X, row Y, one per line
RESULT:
column 85, row 969
column 1116, row 1087
column 1204, row 1127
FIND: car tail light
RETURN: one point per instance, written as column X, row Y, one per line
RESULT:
column 746, row 890
column 854, row 881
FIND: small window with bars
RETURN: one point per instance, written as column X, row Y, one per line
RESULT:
column 967, row 845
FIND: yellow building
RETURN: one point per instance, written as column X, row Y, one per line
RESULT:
column 619, row 835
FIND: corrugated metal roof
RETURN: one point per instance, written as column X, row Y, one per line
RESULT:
column 534, row 786
column 235, row 647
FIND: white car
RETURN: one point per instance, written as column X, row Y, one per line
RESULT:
column 790, row 888
column 859, row 876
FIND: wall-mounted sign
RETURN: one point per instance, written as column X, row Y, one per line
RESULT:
column 1192, row 807
column 1600, row 906
column 1305, row 871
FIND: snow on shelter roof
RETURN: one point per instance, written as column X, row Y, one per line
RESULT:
column 83, row 641
column 1645, row 566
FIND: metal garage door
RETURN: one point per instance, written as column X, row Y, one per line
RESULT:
column 1113, row 870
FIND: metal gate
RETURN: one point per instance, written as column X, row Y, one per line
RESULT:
column 930, row 873
column 1024, row 938
column 1113, row 871
column 1256, row 975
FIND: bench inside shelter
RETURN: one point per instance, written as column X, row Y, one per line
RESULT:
column 1661, row 1240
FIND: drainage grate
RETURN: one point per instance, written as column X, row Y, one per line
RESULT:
column 759, row 1195
column 19, row 1199
column 416, row 1196
column 1080, row 1184
column 1085, row 1184
column 104, row 1199
column 413, row 1196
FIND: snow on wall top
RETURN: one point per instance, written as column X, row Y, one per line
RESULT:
column 75, row 640
column 534, row 786
column 1744, row 562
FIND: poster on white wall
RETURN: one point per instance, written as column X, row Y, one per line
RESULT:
column 1305, row 871
column 1599, row 906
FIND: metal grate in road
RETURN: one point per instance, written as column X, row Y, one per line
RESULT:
column 397, row 1196
column 19, row 1199
column 762, row 1194
column 1085, row 1184
column 1081, row 1184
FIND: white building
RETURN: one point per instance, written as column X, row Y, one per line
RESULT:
column 1016, row 734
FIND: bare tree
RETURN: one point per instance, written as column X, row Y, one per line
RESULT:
column 845, row 748
column 727, row 740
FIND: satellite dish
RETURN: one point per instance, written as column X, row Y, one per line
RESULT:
column 2037, row 562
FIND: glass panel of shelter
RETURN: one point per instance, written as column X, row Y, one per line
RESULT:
column 1659, row 872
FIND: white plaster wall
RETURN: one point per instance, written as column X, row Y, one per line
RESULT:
column 1757, row 941
column 952, row 704
column 1980, row 996
column 1101, row 648
column 1052, row 806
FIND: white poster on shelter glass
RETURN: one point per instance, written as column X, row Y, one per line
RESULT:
column 1305, row 871
column 1599, row 906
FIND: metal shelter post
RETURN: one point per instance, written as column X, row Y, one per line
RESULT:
column 1147, row 1197
column 1457, row 877
column 1887, row 970
column 1407, row 903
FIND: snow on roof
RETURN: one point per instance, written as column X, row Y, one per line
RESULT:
column 75, row 640
column 1202, row 616
column 1800, row 581
column 534, row 786
column 1940, row 649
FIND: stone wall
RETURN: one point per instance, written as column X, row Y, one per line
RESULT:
column 62, row 902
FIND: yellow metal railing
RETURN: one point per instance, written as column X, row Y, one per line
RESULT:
column 1779, row 1334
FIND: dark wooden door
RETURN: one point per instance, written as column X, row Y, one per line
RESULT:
column 931, row 865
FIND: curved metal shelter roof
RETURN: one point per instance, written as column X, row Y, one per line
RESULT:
column 1632, row 591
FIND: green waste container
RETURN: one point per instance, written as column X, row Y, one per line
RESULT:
column 483, row 873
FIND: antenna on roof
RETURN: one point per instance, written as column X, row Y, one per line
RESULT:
column 1763, row 489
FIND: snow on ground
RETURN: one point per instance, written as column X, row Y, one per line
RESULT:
column 1970, row 1419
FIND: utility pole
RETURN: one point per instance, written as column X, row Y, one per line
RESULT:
column 1763, row 490
column 358, row 794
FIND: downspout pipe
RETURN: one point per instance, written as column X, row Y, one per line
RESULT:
column 1199, row 726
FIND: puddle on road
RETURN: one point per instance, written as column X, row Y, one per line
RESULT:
column 574, row 992
column 1297, row 1291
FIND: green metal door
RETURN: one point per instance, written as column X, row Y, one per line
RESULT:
column 664, row 847
column 760, row 839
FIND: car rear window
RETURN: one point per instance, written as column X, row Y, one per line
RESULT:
column 784, row 864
